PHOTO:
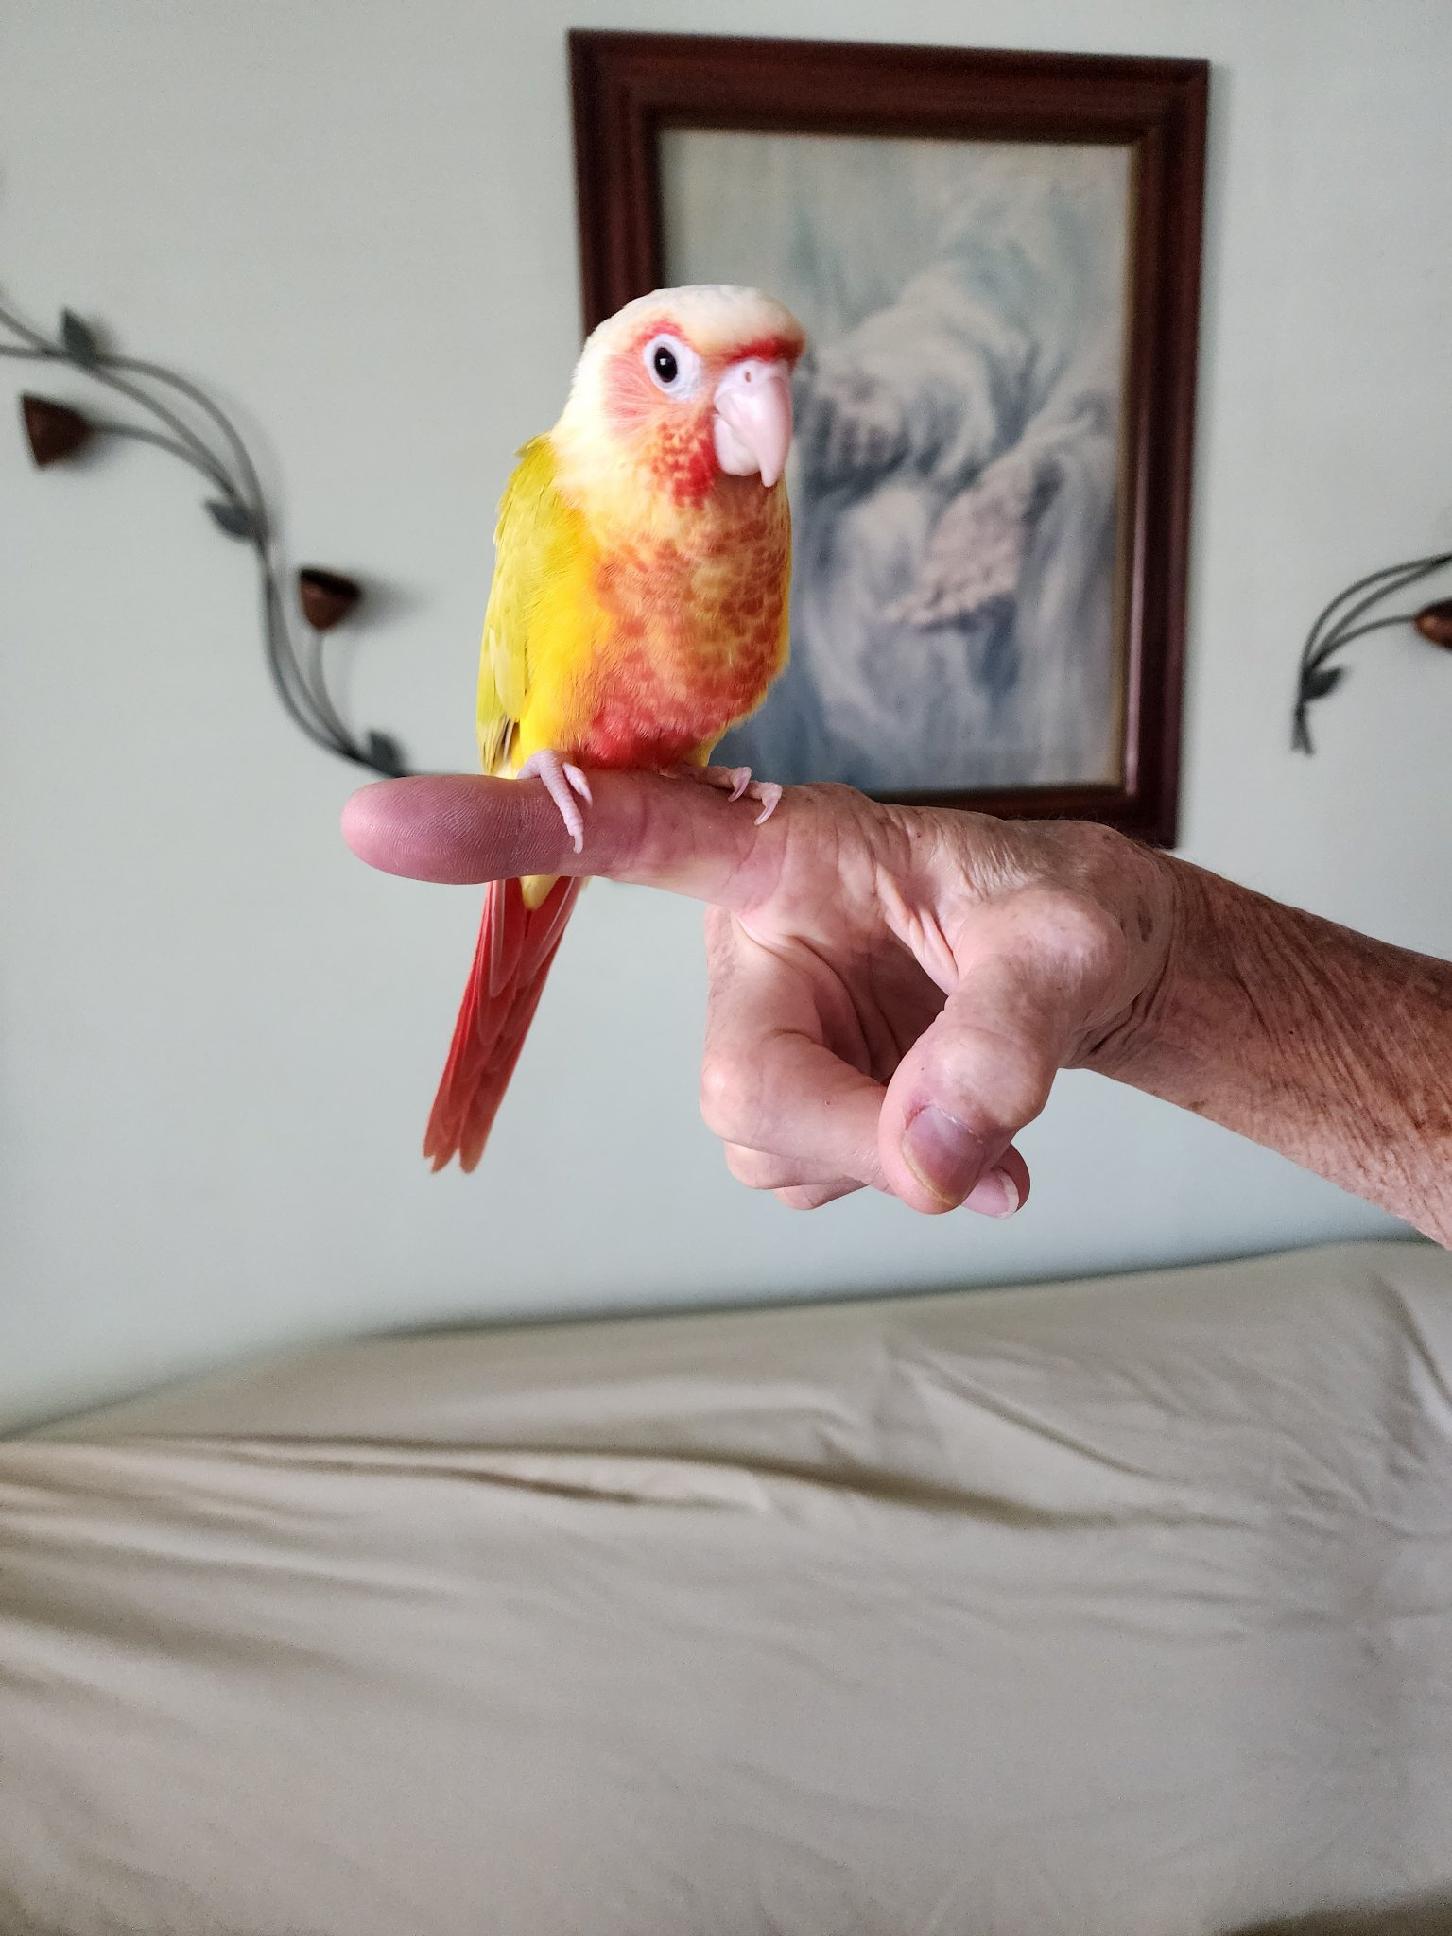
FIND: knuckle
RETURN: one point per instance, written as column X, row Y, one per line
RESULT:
column 1018, row 1088
column 1001, row 1085
column 1086, row 938
column 1026, row 1097
column 724, row 1096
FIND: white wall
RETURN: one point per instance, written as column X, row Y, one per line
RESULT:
column 220, row 1033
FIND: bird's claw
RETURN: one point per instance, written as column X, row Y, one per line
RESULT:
column 734, row 781
column 562, row 782
column 767, row 794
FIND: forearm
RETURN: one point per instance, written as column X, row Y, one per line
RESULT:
column 1330, row 1047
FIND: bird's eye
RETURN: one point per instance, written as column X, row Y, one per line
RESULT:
column 674, row 366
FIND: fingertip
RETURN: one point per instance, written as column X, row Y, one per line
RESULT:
column 445, row 827
column 1003, row 1192
column 937, row 1163
column 815, row 1196
column 800, row 1198
column 366, row 821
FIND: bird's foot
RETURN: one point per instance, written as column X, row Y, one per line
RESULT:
column 767, row 795
column 562, row 783
column 735, row 781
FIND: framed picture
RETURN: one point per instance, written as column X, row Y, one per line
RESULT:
column 997, row 259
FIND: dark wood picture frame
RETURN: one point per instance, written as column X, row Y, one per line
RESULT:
column 629, row 87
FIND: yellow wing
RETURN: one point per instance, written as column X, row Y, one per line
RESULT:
column 538, row 543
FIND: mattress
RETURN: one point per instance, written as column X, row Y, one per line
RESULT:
column 1120, row 1607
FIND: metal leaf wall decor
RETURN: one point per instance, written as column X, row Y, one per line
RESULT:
column 1346, row 618
column 189, row 424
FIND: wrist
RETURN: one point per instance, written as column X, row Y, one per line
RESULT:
column 1149, row 897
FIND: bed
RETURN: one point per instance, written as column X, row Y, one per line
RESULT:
column 1105, row 1608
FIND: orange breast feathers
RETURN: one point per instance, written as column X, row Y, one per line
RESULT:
column 629, row 647
column 691, row 635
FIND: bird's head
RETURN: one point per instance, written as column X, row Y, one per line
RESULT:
column 685, row 387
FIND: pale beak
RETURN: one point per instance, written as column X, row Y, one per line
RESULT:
column 754, row 419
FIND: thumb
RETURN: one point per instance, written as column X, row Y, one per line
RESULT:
column 641, row 827
column 1030, row 966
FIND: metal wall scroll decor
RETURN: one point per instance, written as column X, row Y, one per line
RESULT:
column 1346, row 618
column 191, row 425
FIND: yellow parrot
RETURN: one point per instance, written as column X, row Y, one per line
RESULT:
column 638, row 611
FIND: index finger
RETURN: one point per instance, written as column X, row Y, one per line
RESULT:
column 640, row 827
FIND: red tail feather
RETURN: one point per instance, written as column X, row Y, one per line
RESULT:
column 515, row 948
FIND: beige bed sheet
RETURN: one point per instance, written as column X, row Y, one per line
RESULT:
column 1106, row 1609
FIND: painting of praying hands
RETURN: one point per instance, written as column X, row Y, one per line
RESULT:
column 989, row 478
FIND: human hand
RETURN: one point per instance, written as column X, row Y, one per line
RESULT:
column 892, row 989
